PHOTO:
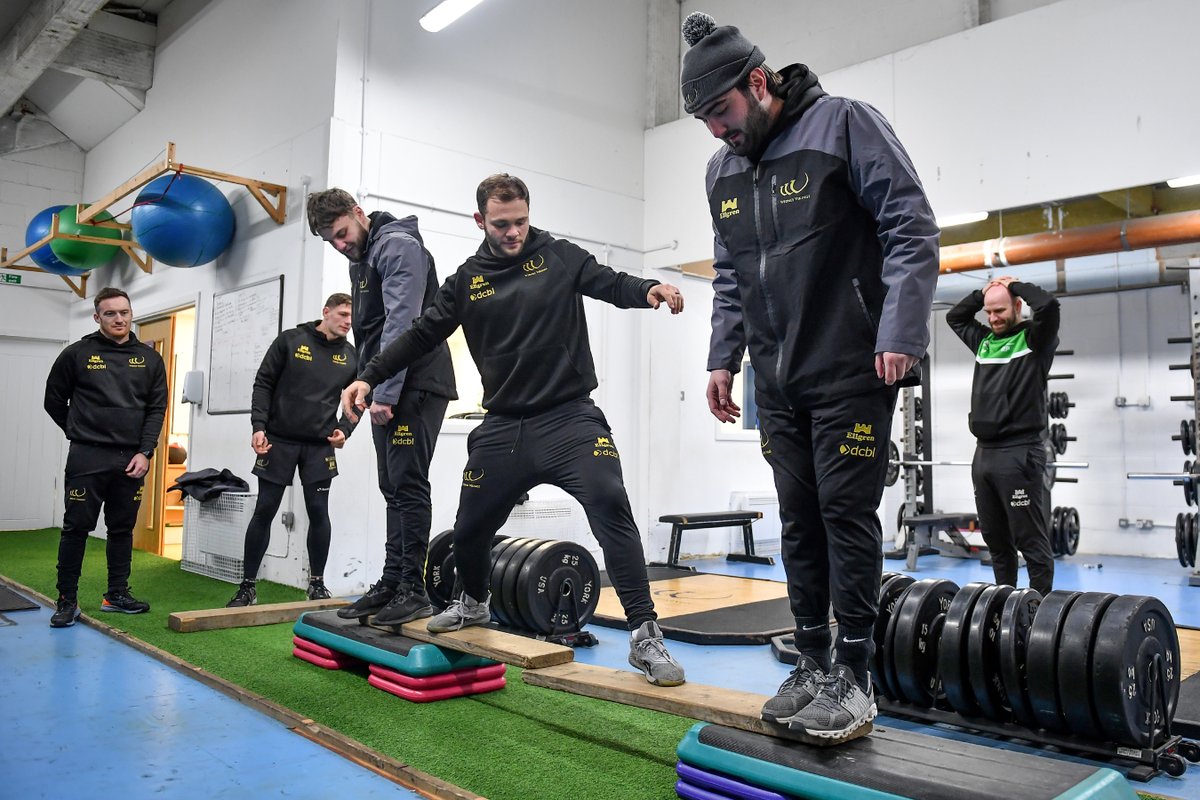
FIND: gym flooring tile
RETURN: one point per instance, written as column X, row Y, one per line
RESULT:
column 90, row 717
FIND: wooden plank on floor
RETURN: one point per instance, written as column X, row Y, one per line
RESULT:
column 212, row 619
column 520, row 651
column 1189, row 652
column 729, row 707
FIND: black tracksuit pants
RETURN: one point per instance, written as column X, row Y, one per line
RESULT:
column 403, row 450
column 1014, row 511
column 829, row 463
column 96, row 478
column 569, row 446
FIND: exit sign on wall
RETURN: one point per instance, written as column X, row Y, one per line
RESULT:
column 8, row 277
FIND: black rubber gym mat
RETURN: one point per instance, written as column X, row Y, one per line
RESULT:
column 11, row 601
column 727, row 609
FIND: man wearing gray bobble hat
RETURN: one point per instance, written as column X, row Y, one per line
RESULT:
column 826, row 257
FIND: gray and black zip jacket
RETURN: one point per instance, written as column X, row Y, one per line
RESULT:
column 1008, row 392
column 392, row 286
column 107, row 394
column 298, row 387
column 826, row 250
column 523, row 320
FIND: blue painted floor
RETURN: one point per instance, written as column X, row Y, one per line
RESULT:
column 90, row 717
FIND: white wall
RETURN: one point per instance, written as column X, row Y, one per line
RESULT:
column 1019, row 111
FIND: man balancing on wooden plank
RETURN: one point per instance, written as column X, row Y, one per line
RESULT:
column 293, row 411
column 826, row 257
column 519, row 301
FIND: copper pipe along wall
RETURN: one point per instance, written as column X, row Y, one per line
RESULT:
column 1111, row 237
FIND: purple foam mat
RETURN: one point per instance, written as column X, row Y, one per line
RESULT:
column 689, row 792
column 719, row 787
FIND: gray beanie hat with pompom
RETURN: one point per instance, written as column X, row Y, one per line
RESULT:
column 720, row 58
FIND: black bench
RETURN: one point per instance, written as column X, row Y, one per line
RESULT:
column 715, row 519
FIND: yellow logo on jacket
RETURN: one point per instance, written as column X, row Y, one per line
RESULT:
column 339, row 358
column 303, row 353
column 729, row 208
column 791, row 191
column 479, row 289
column 96, row 362
column 534, row 266
column 137, row 361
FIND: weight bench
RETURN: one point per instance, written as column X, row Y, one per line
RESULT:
column 924, row 536
column 714, row 519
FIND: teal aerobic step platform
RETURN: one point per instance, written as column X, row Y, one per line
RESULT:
column 891, row 763
column 380, row 647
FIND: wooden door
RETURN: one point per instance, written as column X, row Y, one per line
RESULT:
column 148, row 532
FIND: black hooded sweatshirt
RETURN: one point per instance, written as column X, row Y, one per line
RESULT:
column 523, row 320
column 108, row 394
column 299, row 384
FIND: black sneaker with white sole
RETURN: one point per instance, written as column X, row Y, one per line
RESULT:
column 247, row 595
column 65, row 613
column 123, row 602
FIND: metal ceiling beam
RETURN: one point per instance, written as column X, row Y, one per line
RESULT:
column 36, row 40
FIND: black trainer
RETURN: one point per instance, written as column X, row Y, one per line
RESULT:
column 65, row 613
column 317, row 590
column 405, row 607
column 378, row 596
column 123, row 602
column 247, row 595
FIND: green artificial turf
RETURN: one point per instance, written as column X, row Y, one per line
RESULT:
column 520, row 743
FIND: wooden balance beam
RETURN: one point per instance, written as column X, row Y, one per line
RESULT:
column 212, row 619
column 728, row 707
column 520, row 651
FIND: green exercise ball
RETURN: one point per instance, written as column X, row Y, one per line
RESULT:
column 84, row 255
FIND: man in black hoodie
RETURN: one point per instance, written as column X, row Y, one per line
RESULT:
column 392, row 282
column 1008, row 419
column 519, row 301
column 108, row 392
column 293, row 413
column 826, row 257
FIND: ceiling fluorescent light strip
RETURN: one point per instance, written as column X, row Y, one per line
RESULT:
column 1179, row 183
column 445, row 13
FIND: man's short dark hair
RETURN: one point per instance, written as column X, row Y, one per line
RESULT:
column 503, row 187
column 338, row 299
column 325, row 207
column 108, row 293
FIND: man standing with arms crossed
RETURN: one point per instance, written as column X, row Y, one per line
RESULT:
column 1008, row 420
column 392, row 282
column 108, row 392
column 293, row 412
column 826, row 256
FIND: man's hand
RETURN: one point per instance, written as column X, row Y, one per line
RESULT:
column 665, row 293
column 138, row 466
column 354, row 399
column 893, row 366
column 381, row 413
column 720, row 403
column 259, row 443
column 337, row 438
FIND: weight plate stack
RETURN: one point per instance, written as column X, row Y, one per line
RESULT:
column 1181, row 542
column 1136, row 655
column 506, row 590
column 919, row 622
column 893, row 468
column 1076, row 647
column 558, row 584
column 1071, row 531
column 952, row 650
column 439, row 584
column 1041, row 659
column 889, row 595
column 1193, row 523
column 1015, row 622
column 500, row 554
column 983, row 653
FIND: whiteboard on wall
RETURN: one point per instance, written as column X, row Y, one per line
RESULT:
column 244, row 323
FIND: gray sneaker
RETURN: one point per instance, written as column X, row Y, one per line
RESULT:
column 839, row 709
column 463, row 610
column 794, row 693
column 648, row 653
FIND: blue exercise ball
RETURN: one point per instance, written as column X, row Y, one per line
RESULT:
column 182, row 220
column 44, row 257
